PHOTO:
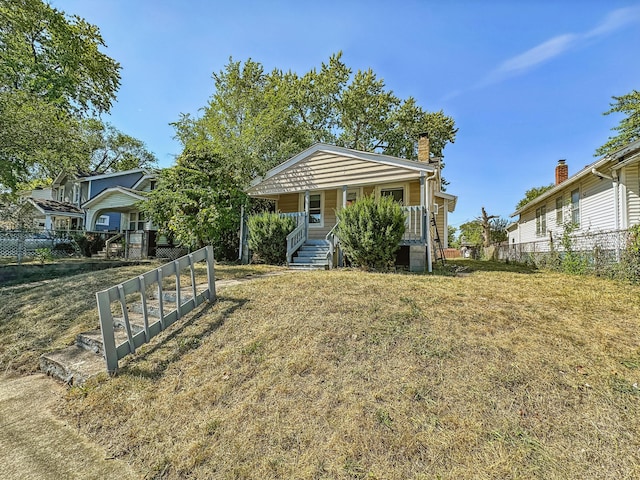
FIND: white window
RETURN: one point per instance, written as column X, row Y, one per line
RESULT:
column 76, row 193
column 137, row 221
column 575, row 207
column 103, row 221
column 559, row 212
column 397, row 193
column 61, row 193
column 315, row 209
column 541, row 220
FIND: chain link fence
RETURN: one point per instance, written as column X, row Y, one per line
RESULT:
column 595, row 250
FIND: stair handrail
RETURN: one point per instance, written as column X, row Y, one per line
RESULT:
column 110, row 240
column 295, row 240
column 334, row 241
column 139, row 285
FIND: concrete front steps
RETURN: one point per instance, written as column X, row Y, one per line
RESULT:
column 312, row 255
column 84, row 359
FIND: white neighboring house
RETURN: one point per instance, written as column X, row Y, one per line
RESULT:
column 602, row 197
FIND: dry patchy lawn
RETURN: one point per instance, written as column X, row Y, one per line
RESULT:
column 342, row 374
column 35, row 318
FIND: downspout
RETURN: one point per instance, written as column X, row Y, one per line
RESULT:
column 428, row 219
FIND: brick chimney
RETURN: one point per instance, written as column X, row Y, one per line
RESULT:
column 423, row 147
column 562, row 171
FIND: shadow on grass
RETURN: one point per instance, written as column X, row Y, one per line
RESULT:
column 458, row 266
column 176, row 344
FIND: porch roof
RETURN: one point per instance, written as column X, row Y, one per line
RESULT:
column 325, row 166
column 53, row 207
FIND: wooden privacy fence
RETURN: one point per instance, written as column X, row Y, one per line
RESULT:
column 155, row 318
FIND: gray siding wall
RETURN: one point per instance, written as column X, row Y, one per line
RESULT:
column 126, row 181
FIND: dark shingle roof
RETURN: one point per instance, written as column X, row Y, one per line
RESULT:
column 53, row 206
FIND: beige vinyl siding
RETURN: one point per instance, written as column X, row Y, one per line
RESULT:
column 324, row 171
column 440, row 221
column 632, row 176
column 414, row 193
column 596, row 204
column 289, row 203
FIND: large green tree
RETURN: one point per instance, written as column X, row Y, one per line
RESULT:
column 257, row 119
column 106, row 149
column 629, row 127
column 197, row 202
column 52, row 75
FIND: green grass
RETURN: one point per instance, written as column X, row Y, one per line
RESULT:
column 344, row 374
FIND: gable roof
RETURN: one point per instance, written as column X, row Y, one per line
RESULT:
column 99, row 176
column 135, row 195
column 324, row 166
column 619, row 158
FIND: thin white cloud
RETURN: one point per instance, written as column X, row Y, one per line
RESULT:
column 554, row 47
column 616, row 20
column 537, row 55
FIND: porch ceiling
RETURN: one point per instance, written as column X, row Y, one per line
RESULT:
column 323, row 170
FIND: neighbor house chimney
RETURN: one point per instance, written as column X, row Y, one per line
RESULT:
column 562, row 171
column 423, row 147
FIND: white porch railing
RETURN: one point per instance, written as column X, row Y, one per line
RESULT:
column 298, row 236
column 415, row 225
column 142, row 285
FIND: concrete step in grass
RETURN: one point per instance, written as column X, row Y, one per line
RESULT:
column 73, row 365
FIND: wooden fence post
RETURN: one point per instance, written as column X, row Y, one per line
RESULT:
column 106, row 326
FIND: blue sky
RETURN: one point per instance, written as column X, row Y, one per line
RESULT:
column 526, row 81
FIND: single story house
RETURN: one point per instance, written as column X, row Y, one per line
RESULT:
column 315, row 184
column 601, row 199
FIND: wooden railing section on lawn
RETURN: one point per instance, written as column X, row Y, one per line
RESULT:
column 142, row 285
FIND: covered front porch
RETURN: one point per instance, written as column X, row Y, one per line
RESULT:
column 316, row 184
column 326, row 250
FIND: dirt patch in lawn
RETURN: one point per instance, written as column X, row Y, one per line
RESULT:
column 35, row 444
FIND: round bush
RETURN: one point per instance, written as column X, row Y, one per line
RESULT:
column 370, row 232
column 268, row 237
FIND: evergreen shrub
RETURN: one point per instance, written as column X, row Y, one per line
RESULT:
column 268, row 237
column 370, row 232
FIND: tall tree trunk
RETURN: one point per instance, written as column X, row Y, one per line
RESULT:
column 486, row 227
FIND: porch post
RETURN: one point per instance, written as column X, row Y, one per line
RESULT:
column 241, row 233
column 427, row 221
column 344, row 204
column 306, row 213
column 422, row 191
